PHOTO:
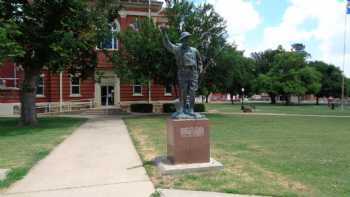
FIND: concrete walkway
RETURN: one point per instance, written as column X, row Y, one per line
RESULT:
column 98, row 160
column 278, row 114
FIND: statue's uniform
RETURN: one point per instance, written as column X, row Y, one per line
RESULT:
column 189, row 65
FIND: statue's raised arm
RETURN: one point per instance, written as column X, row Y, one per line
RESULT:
column 166, row 41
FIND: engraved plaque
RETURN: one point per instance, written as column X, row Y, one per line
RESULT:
column 189, row 132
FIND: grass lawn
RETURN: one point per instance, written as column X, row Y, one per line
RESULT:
column 280, row 108
column 22, row 147
column 263, row 155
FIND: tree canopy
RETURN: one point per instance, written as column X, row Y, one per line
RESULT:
column 331, row 80
column 56, row 35
column 286, row 73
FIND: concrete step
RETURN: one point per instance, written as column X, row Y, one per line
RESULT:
column 103, row 111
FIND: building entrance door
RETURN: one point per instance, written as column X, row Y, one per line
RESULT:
column 107, row 96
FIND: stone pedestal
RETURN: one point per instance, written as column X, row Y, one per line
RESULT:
column 188, row 141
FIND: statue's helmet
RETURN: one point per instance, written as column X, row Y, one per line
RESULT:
column 185, row 35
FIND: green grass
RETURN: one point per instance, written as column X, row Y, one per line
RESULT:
column 263, row 155
column 22, row 147
column 280, row 108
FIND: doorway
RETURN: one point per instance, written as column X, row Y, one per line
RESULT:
column 107, row 96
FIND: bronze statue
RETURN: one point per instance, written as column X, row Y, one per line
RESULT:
column 189, row 66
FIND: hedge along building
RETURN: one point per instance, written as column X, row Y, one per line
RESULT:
column 62, row 92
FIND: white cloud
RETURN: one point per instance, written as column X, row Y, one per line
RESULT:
column 241, row 17
column 327, row 32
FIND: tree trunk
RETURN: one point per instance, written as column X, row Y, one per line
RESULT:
column 207, row 98
column 231, row 95
column 273, row 99
column 317, row 100
column 28, row 98
column 287, row 97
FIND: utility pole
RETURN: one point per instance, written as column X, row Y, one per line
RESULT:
column 344, row 57
column 149, row 80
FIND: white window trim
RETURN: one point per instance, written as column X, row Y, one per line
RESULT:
column 43, row 94
column 114, row 39
column 71, row 88
column 2, row 83
column 133, row 90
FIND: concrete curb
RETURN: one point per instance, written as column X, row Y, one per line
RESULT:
column 4, row 173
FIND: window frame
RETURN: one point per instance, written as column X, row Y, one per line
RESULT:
column 75, row 85
column 168, row 93
column 114, row 41
column 42, row 77
column 133, row 89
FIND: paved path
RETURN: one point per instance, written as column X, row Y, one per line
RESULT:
column 98, row 160
column 182, row 193
column 278, row 114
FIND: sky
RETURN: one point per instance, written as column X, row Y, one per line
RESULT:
column 256, row 25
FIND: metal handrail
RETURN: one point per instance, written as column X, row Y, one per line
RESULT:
column 67, row 107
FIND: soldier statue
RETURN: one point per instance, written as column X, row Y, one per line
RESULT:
column 189, row 66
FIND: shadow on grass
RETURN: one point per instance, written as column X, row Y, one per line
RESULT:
column 9, row 126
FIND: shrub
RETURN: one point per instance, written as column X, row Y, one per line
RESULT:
column 169, row 108
column 141, row 108
column 199, row 107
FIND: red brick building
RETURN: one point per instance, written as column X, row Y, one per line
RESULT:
column 63, row 92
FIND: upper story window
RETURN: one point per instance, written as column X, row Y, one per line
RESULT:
column 40, row 86
column 112, row 42
column 75, row 86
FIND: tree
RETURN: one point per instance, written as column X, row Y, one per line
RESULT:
column 347, row 87
column 264, row 63
column 55, row 35
column 291, row 76
column 331, row 80
column 141, row 56
column 8, row 46
column 234, row 72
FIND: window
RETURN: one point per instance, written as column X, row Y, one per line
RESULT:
column 40, row 86
column 111, row 42
column 137, row 90
column 75, row 86
column 2, row 83
column 168, row 90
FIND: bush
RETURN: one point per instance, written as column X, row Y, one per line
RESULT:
column 169, row 108
column 199, row 107
column 141, row 108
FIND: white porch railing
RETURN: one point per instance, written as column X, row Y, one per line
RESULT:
column 64, row 108
column 9, row 82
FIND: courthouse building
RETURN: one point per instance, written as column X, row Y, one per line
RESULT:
column 61, row 91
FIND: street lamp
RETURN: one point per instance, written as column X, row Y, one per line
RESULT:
column 242, row 99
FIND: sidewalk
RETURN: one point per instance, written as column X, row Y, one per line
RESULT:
column 98, row 160
column 278, row 114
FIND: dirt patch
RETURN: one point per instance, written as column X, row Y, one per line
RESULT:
column 286, row 182
column 249, row 172
column 148, row 152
